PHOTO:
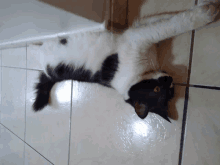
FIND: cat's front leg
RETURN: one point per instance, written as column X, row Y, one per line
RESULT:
column 178, row 24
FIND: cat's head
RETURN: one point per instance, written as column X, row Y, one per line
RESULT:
column 152, row 94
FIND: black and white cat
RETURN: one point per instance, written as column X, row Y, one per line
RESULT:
column 126, row 62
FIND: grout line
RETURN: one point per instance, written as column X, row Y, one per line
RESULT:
column 191, row 56
column 26, row 143
column 184, row 121
column 21, row 68
column 198, row 86
column 205, row 87
column 12, row 47
column 70, row 122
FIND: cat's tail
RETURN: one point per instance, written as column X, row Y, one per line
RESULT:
column 43, row 88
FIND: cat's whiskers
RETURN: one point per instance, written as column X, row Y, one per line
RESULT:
column 152, row 63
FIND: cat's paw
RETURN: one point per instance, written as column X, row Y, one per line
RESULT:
column 212, row 9
column 206, row 13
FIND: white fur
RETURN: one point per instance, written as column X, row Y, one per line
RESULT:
column 83, row 49
column 135, row 47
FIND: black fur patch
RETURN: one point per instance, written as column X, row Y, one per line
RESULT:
column 155, row 102
column 68, row 72
column 58, row 74
column 63, row 41
column 42, row 91
column 109, row 68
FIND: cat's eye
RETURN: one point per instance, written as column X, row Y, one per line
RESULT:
column 157, row 89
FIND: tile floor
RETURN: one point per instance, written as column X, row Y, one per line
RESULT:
column 88, row 124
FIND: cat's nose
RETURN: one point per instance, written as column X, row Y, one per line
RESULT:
column 166, row 80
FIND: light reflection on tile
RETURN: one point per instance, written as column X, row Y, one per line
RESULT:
column 106, row 130
column 140, row 128
column 62, row 93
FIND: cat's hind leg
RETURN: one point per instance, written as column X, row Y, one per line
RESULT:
column 148, row 20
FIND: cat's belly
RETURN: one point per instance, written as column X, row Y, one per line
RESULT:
column 88, row 50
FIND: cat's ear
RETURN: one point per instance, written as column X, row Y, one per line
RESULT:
column 163, row 114
column 140, row 109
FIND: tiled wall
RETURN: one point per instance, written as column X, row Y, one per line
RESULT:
column 27, row 20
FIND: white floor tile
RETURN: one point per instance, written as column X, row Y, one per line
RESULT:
column 14, row 57
column 202, row 143
column 34, row 158
column 13, row 100
column 48, row 130
column 206, row 56
column 11, row 148
column 106, row 130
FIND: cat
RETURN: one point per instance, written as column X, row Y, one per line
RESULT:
column 126, row 62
